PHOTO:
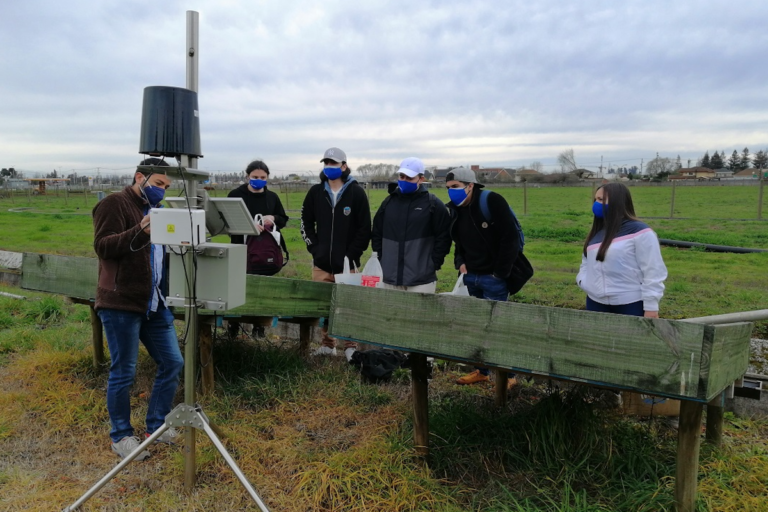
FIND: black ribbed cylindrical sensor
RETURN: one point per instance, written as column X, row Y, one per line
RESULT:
column 170, row 123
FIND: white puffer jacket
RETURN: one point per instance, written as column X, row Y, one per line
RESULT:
column 633, row 269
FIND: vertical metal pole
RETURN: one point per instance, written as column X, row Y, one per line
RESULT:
column 760, row 199
column 190, row 313
column 525, row 198
column 672, row 202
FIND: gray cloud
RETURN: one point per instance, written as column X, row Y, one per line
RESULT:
column 481, row 82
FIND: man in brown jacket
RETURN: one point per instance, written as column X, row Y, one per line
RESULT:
column 130, row 300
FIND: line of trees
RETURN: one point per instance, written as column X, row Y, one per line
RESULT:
column 736, row 162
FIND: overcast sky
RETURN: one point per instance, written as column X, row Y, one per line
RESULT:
column 453, row 82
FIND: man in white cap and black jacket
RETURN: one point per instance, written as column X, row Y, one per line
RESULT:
column 411, row 232
column 486, row 249
column 335, row 222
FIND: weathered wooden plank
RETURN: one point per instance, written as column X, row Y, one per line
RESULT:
column 66, row 275
column 265, row 296
column 725, row 357
column 649, row 355
column 281, row 297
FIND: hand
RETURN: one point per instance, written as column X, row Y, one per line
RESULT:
column 269, row 221
column 651, row 314
column 145, row 224
column 463, row 269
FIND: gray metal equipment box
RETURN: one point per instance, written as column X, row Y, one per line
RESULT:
column 220, row 277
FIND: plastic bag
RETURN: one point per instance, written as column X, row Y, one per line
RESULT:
column 348, row 277
column 459, row 288
column 372, row 273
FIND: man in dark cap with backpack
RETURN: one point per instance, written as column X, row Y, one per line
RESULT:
column 489, row 245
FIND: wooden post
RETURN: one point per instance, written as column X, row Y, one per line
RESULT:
column 305, row 338
column 760, row 199
column 672, row 201
column 715, row 415
column 420, row 391
column 98, row 339
column 688, row 442
column 501, row 387
column 525, row 198
column 206, row 357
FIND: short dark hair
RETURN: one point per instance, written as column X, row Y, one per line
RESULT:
column 256, row 164
column 157, row 162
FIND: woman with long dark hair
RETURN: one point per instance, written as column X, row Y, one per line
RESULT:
column 622, row 270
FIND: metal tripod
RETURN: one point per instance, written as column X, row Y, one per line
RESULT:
column 183, row 416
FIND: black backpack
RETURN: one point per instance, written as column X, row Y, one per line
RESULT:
column 522, row 270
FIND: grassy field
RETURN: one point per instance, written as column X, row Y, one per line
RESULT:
column 310, row 436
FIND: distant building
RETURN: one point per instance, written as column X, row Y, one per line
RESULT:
column 489, row 174
column 525, row 174
column 723, row 174
column 440, row 174
column 693, row 173
column 747, row 174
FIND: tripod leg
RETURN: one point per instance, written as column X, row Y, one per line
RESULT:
column 232, row 464
column 109, row 476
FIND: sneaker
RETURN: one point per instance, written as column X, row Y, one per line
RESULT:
column 127, row 446
column 348, row 353
column 473, row 378
column 324, row 351
column 170, row 436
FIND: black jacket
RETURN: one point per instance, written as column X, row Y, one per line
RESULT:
column 485, row 247
column 265, row 203
column 333, row 232
column 411, row 234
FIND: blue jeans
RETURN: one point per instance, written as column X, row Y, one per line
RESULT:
column 634, row 309
column 485, row 286
column 124, row 329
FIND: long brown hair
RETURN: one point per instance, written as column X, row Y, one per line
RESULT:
column 619, row 209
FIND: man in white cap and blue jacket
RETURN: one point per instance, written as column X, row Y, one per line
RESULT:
column 411, row 232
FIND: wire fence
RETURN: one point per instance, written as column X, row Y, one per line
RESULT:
column 680, row 199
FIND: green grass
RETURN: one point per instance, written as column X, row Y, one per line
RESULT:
column 311, row 436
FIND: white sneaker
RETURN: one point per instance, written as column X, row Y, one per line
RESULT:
column 324, row 351
column 170, row 436
column 127, row 446
column 348, row 352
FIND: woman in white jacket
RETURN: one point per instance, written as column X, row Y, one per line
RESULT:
column 621, row 266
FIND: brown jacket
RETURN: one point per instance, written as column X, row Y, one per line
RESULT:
column 123, row 248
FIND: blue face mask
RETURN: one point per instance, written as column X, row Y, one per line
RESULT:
column 332, row 173
column 599, row 209
column 257, row 184
column 457, row 195
column 406, row 187
column 153, row 195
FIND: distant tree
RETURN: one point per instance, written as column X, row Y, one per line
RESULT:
column 567, row 161
column 716, row 162
column 660, row 164
column 746, row 161
column 537, row 166
column 631, row 170
column 705, row 161
column 760, row 160
column 376, row 171
column 678, row 163
column 734, row 161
